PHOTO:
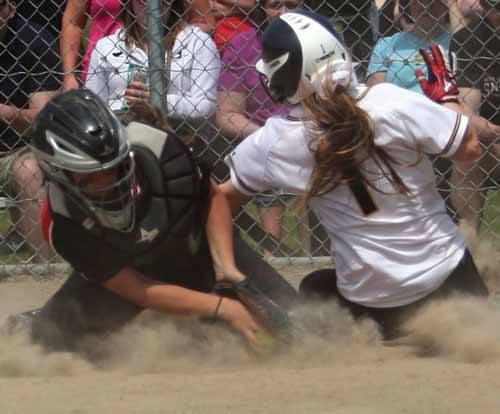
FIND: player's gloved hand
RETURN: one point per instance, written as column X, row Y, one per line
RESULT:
column 440, row 86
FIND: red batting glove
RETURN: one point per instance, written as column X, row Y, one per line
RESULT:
column 441, row 85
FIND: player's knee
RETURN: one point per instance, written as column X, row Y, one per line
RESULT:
column 319, row 285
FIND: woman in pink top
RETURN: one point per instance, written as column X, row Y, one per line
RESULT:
column 104, row 15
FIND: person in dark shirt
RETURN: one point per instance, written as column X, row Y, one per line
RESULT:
column 45, row 13
column 477, row 49
column 29, row 77
column 142, row 225
column 354, row 19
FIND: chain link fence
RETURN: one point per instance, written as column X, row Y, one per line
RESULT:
column 201, row 73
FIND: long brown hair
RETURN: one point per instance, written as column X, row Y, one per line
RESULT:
column 343, row 139
column 133, row 34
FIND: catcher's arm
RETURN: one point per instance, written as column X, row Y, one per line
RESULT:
column 219, row 230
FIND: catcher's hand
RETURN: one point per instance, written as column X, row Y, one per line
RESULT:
column 440, row 86
column 272, row 316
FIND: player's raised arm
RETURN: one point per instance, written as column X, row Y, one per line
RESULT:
column 440, row 86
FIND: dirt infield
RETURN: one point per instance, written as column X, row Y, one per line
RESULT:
column 450, row 364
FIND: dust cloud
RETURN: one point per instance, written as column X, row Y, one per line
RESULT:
column 462, row 329
column 451, row 348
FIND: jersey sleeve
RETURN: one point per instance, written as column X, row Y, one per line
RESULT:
column 433, row 128
column 203, row 63
column 248, row 162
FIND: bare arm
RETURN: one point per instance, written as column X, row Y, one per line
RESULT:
column 129, row 284
column 470, row 100
column 235, row 198
column 231, row 114
column 21, row 119
column 470, row 104
column 375, row 78
column 272, row 315
column 73, row 23
column 219, row 230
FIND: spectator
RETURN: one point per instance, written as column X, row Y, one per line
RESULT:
column 191, row 54
column 395, row 59
column 354, row 19
column 477, row 48
column 244, row 105
column 471, row 8
column 104, row 22
column 201, row 14
column 28, row 79
column 46, row 13
column 392, row 18
column 233, row 18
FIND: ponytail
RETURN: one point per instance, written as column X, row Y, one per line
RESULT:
column 343, row 139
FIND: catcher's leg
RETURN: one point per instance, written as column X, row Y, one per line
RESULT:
column 77, row 309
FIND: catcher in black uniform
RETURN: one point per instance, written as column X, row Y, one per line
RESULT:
column 143, row 226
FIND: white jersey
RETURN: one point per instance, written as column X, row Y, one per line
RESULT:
column 194, row 72
column 407, row 246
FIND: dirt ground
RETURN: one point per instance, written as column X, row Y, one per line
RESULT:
column 449, row 364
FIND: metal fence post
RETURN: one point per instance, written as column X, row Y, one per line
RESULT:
column 156, row 53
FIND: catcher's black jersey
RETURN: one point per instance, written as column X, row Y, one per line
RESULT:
column 168, row 241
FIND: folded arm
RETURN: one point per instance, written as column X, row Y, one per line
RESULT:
column 21, row 119
column 73, row 23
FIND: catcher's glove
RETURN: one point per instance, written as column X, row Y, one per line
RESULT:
column 264, row 308
column 441, row 85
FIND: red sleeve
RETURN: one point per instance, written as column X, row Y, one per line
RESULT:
column 46, row 219
column 227, row 28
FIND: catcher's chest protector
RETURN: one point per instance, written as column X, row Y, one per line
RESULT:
column 173, row 193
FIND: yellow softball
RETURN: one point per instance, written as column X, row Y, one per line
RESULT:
column 267, row 342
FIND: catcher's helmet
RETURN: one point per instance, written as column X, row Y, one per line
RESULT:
column 77, row 135
column 298, row 50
